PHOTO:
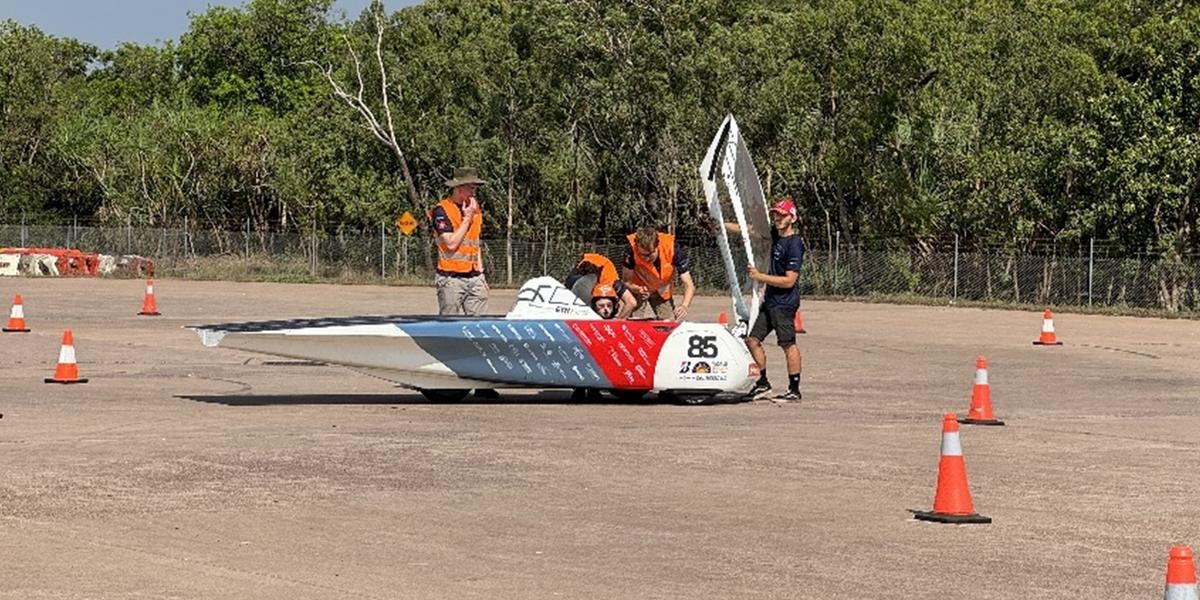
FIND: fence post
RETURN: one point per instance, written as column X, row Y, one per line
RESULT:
column 508, row 257
column 406, row 265
column 837, row 247
column 545, row 249
column 129, row 233
column 1091, row 266
column 956, row 266
column 313, row 238
column 246, row 238
column 382, row 251
column 75, row 230
column 23, row 235
column 187, row 243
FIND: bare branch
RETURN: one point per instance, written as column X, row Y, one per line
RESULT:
column 387, row 111
column 357, row 101
column 357, row 66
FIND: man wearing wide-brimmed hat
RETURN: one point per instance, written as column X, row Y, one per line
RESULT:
column 457, row 223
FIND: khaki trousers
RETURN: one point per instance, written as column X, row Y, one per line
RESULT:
column 461, row 295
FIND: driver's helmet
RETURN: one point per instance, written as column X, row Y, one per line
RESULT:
column 605, row 300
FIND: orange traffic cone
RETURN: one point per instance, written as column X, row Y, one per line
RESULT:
column 67, row 371
column 952, row 502
column 981, row 398
column 16, row 318
column 1181, row 575
column 1047, row 338
column 799, row 322
column 722, row 318
column 149, row 308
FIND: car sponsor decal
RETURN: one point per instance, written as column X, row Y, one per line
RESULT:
column 626, row 351
column 703, row 370
column 533, row 353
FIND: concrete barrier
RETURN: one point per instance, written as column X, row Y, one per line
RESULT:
column 10, row 265
column 39, row 265
column 108, row 264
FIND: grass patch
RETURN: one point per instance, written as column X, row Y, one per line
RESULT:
column 278, row 270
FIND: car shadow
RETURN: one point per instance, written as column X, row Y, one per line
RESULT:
column 408, row 397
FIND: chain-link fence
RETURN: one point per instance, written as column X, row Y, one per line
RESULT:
column 1089, row 273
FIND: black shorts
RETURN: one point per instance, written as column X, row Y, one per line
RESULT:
column 780, row 320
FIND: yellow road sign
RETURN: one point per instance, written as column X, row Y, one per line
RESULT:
column 406, row 223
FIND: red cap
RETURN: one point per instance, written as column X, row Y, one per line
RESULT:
column 785, row 206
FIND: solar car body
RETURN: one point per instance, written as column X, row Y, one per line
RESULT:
column 550, row 339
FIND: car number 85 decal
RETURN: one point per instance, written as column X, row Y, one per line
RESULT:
column 702, row 346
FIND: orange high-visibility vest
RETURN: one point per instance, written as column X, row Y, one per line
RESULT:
column 608, row 271
column 659, row 280
column 466, row 258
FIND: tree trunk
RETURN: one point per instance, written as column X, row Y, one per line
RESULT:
column 672, row 192
column 408, row 180
column 508, row 253
column 574, row 164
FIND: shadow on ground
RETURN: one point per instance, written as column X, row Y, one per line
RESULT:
column 548, row 397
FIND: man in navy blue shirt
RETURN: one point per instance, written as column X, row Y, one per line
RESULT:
column 781, row 300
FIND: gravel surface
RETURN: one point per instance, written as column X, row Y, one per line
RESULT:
column 186, row 472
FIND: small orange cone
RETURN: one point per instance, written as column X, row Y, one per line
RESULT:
column 799, row 322
column 1047, row 338
column 16, row 318
column 67, row 371
column 1181, row 575
column 149, row 308
column 952, row 501
column 722, row 318
column 981, row 398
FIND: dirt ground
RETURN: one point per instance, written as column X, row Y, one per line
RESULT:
column 186, row 472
